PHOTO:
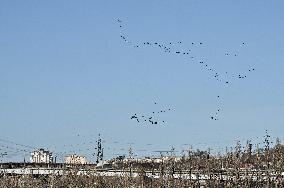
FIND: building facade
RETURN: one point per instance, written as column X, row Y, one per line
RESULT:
column 41, row 156
column 76, row 159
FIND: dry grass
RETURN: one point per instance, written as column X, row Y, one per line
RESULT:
column 261, row 167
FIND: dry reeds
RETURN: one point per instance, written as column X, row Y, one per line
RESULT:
column 238, row 167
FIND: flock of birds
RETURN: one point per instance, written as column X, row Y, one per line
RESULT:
column 224, row 78
column 151, row 119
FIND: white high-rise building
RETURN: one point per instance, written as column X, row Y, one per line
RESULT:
column 41, row 156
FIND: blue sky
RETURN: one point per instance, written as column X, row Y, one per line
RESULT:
column 66, row 75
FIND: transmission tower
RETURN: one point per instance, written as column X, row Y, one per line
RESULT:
column 100, row 150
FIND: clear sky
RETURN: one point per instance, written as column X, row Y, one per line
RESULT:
column 66, row 75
